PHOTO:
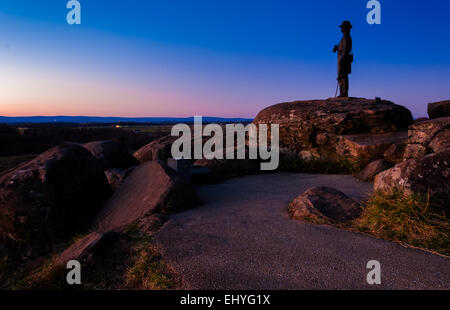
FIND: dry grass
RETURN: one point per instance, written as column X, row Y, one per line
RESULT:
column 148, row 271
column 43, row 278
column 411, row 219
column 133, row 262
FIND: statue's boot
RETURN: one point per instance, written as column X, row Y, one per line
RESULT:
column 343, row 92
column 343, row 87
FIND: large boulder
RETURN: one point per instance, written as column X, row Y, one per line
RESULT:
column 150, row 188
column 111, row 154
column 439, row 109
column 440, row 142
column 57, row 192
column 324, row 204
column 429, row 174
column 321, row 124
column 427, row 137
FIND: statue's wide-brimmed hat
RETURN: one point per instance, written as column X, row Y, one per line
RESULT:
column 346, row 24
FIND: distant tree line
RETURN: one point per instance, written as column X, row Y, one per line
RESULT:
column 37, row 138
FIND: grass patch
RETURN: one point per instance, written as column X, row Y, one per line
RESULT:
column 411, row 219
column 129, row 262
column 132, row 229
column 44, row 277
column 148, row 271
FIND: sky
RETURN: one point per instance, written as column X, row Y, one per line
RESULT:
column 214, row 58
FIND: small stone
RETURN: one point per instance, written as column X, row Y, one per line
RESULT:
column 324, row 203
column 371, row 170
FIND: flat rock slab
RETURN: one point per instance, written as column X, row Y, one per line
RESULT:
column 150, row 188
column 242, row 238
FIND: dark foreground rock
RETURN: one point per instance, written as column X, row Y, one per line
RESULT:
column 420, row 175
column 371, row 170
column 324, row 203
column 111, row 154
column 56, row 193
column 439, row 109
column 320, row 125
column 150, row 188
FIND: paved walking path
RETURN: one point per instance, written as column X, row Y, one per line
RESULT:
column 242, row 238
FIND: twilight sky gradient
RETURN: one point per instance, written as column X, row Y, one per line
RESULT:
column 214, row 58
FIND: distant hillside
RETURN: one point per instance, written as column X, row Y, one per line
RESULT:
column 89, row 119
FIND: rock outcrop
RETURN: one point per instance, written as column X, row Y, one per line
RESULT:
column 394, row 153
column 429, row 174
column 150, row 188
column 440, row 142
column 427, row 137
column 324, row 204
column 111, row 154
column 222, row 169
column 218, row 169
column 324, row 125
column 439, row 109
column 365, row 148
column 58, row 191
column 159, row 149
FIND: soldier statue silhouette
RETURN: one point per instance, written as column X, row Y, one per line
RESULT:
column 345, row 58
